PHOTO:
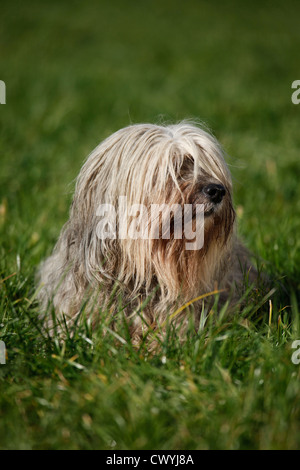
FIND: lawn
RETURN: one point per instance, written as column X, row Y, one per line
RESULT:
column 75, row 72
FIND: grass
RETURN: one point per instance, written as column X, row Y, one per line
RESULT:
column 76, row 73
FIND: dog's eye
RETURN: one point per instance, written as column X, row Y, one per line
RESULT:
column 187, row 167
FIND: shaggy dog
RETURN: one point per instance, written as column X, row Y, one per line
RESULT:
column 96, row 261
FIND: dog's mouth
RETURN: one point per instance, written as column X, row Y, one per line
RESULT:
column 209, row 212
column 209, row 209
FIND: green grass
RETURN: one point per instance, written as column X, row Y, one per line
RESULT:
column 75, row 72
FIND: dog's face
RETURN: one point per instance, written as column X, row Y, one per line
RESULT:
column 200, row 187
column 154, row 166
column 205, row 183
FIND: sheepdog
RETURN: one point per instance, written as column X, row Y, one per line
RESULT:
column 151, row 232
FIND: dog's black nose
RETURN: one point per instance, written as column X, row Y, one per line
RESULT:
column 215, row 192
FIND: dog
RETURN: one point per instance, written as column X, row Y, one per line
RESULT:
column 143, row 166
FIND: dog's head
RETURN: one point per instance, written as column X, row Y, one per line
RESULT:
column 145, row 173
